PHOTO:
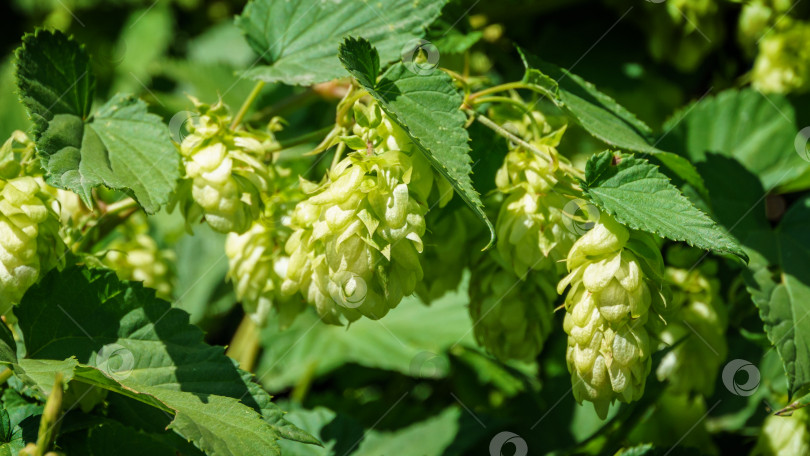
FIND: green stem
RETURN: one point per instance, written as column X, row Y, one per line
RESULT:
column 114, row 215
column 500, row 88
column 246, row 105
column 5, row 375
column 49, row 424
column 338, row 152
column 244, row 346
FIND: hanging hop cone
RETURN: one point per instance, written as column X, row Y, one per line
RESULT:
column 357, row 239
column 136, row 256
column 607, row 307
column 29, row 237
column 511, row 317
column 783, row 62
column 225, row 171
column 530, row 228
column 691, row 366
column 257, row 266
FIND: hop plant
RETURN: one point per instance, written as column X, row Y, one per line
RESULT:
column 357, row 239
column 784, row 435
column 511, row 316
column 29, row 237
column 225, row 172
column 699, row 315
column 136, row 256
column 531, row 233
column 607, row 309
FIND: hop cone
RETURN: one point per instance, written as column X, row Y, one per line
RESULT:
column 531, row 233
column 257, row 267
column 224, row 171
column 29, row 238
column 511, row 317
column 607, row 307
column 783, row 62
column 356, row 247
column 692, row 365
column 137, row 257
column 784, row 435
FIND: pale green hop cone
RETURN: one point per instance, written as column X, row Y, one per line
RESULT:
column 607, row 309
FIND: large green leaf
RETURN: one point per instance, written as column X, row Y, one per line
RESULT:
column 412, row 339
column 780, row 287
column 118, row 336
column 758, row 130
column 299, row 39
column 601, row 115
column 122, row 146
column 428, row 108
column 639, row 196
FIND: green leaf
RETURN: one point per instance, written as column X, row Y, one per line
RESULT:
column 54, row 77
column 298, row 39
column 639, row 196
column 118, row 336
column 780, row 287
column 411, row 340
column 122, row 147
column 741, row 124
column 428, row 108
column 601, row 115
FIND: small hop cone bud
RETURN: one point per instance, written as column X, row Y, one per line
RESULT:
column 257, row 267
column 225, row 172
column 138, row 258
column 361, row 234
column 29, row 238
column 607, row 307
column 784, row 435
column 511, row 317
column 531, row 233
column 692, row 366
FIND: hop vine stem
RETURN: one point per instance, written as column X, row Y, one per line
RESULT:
column 246, row 105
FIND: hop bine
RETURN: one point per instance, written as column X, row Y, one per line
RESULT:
column 358, row 237
column 225, row 172
column 615, row 278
